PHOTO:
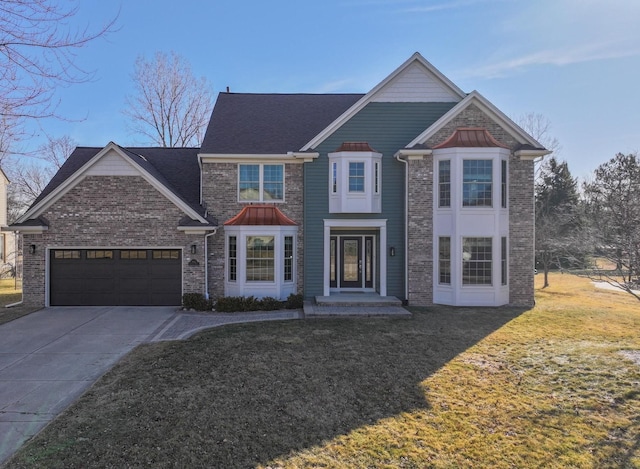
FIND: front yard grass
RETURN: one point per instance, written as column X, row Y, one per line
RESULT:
column 554, row 386
column 9, row 294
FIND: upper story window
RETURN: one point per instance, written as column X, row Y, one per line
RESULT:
column 356, row 176
column 503, row 177
column 260, row 182
column 477, row 183
column 444, row 183
column 355, row 179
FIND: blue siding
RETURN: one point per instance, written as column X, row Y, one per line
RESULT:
column 387, row 127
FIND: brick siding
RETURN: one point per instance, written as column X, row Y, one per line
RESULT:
column 220, row 193
column 111, row 211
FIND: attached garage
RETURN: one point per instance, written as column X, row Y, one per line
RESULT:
column 115, row 277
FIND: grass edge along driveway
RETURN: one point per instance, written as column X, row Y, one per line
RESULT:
column 555, row 386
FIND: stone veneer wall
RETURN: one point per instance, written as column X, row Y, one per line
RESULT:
column 420, row 236
column 111, row 211
column 220, row 193
column 521, row 215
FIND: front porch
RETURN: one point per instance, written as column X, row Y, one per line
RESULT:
column 355, row 304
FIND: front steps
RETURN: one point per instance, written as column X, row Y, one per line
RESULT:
column 355, row 304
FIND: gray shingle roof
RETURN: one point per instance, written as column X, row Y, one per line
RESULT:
column 243, row 123
column 175, row 168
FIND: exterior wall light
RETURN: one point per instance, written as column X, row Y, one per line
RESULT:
column 392, row 251
column 32, row 249
column 193, row 249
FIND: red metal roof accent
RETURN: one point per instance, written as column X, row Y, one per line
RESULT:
column 471, row 137
column 355, row 146
column 260, row 215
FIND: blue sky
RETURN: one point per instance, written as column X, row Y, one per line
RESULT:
column 577, row 62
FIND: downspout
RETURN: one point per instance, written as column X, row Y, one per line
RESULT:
column 206, row 263
column 406, row 225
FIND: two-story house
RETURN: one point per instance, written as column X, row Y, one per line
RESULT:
column 414, row 190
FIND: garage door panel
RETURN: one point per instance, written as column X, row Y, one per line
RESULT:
column 112, row 277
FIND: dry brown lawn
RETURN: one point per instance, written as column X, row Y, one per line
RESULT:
column 9, row 294
column 554, row 386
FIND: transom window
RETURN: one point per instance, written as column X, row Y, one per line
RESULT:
column 166, row 254
column 477, row 182
column 130, row 254
column 99, row 254
column 476, row 261
column 260, row 182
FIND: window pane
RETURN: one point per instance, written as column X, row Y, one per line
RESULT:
column 444, row 260
column 260, row 258
column 334, row 178
column 133, row 254
column 288, row 258
column 356, row 177
column 503, row 193
column 477, row 183
column 66, row 254
column 376, row 176
column 233, row 266
column 249, row 185
column 99, row 254
column 273, row 182
column 166, row 254
column 444, row 183
column 476, row 261
column 504, row 261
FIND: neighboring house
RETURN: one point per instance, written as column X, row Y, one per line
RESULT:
column 415, row 190
column 8, row 254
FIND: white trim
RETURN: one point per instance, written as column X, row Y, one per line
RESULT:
column 25, row 229
column 379, row 223
column 80, row 174
column 196, row 230
column 366, row 99
column 488, row 108
column 289, row 157
column 531, row 154
column 261, row 198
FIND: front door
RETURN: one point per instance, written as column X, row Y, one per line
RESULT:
column 352, row 262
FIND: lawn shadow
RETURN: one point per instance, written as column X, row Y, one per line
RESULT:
column 244, row 395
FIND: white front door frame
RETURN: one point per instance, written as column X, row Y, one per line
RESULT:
column 380, row 224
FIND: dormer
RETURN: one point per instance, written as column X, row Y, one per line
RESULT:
column 355, row 179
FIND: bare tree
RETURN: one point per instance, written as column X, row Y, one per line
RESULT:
column 171, row 107
column 37, row 54
column 539, row 127
column 611, row 200
column 55, row 151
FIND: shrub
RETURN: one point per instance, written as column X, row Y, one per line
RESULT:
column 269, row 303
column 295, row 301
column 230, row 304
column 196, row 301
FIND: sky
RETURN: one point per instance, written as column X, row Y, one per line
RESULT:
column 576, row 62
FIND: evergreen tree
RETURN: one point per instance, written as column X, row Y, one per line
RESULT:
column 557, row 217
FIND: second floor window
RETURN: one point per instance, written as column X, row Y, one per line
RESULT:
column 356, row 176
column 477, row 183
column 261, row 182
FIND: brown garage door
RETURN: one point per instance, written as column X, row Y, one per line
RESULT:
column 115, row 277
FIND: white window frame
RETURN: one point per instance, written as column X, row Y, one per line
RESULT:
column 279, row 287
column 341, row 198
column 261, row 197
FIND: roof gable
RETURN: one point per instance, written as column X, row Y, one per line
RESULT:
column 487, row 108
column 416, row 80
column 116, row 160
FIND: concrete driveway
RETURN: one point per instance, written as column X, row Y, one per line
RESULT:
column 50, row 357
